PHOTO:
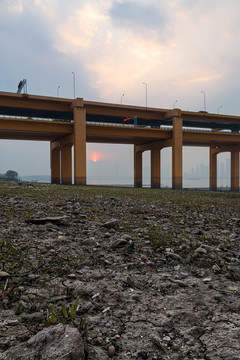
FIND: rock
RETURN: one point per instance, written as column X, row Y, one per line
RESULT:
column 119, row 243
column 86, row 306
column 72, row 276
column 4, row 274
column 216, row 268
column 175, row 257
column 157, row 342
column 197, row 232
column 200, row 250
column 144, row 258
column 234, row 270
column 179, row 282
column 111, row 351
column 96, row 353
column 220, row 344
column 142, row 355
column 166, row 338
column 56, row 342
column 50, row 219
column 36, row 317
column 111, row 224
column 127, row 237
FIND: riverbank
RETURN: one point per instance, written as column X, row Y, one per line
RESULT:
column 154, row 274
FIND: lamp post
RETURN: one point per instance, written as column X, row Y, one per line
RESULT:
column 204, row 99
column 146, row 92
column 58, row 90
column 174, row 104
column 219, row 108
column 74, row 88
column 122, row 98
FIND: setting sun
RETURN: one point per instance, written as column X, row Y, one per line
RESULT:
column 95, row 157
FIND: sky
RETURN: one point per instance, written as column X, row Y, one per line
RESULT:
column 179, row 48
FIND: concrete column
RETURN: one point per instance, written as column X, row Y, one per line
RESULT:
column 177, row 153
column 55, row 163
column 213, row 168
column 79, row 116
column 137, row 167
column 234, row 170
column 155, row 169
column 66, row 164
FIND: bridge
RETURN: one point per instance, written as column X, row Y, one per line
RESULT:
column 67, row 123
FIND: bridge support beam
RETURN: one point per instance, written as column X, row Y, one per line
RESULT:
column 66, row 164
column 177, row 140
column 137, row 167
column 55, row 163
column 234, row 170
column 79, row 116
column 213, row 168
column 155, row 169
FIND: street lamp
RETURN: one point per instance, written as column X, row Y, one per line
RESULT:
column 122, row 97
column 219, row 108
column 204, row 99
column 58, row 90
column 73, row 84
column 174, row 104
column 146, row 92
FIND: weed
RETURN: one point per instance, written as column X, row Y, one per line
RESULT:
column 11, row 258
column 129, row 282
column 158, row 237
column 67, row 315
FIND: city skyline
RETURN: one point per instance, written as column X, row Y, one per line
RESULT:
column 96, row 174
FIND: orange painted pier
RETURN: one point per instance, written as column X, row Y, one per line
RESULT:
column 68, row 123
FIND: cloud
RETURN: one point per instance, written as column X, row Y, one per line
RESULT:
column 114, row 46
column 80, row 30
column 11, row 8
column 137, row 17
column 206, row 78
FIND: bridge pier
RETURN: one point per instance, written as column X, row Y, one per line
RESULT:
column 155, row 168
column 80, row 152
column 66, row 164
column 55, row 163
column 137, row 166
column 234, row 150
column 234, row 170
column 177, row 141
column 61, row 151
column 213, row 168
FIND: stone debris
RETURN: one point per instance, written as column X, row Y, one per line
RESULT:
column 111, row 351
column 57, row 342
column 4, row 274
column 119, row 243
column 52, row 219
column 118, row 274
column 111, row 223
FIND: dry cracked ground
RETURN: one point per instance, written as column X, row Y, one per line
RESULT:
column 106, row 273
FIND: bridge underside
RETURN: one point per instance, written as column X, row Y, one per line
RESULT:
column 66, row 123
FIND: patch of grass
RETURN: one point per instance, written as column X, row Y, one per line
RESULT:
column 160, row 238
column 67, row 315
column 12, row 259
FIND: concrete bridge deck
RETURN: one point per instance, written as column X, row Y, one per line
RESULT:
column 68, row 122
